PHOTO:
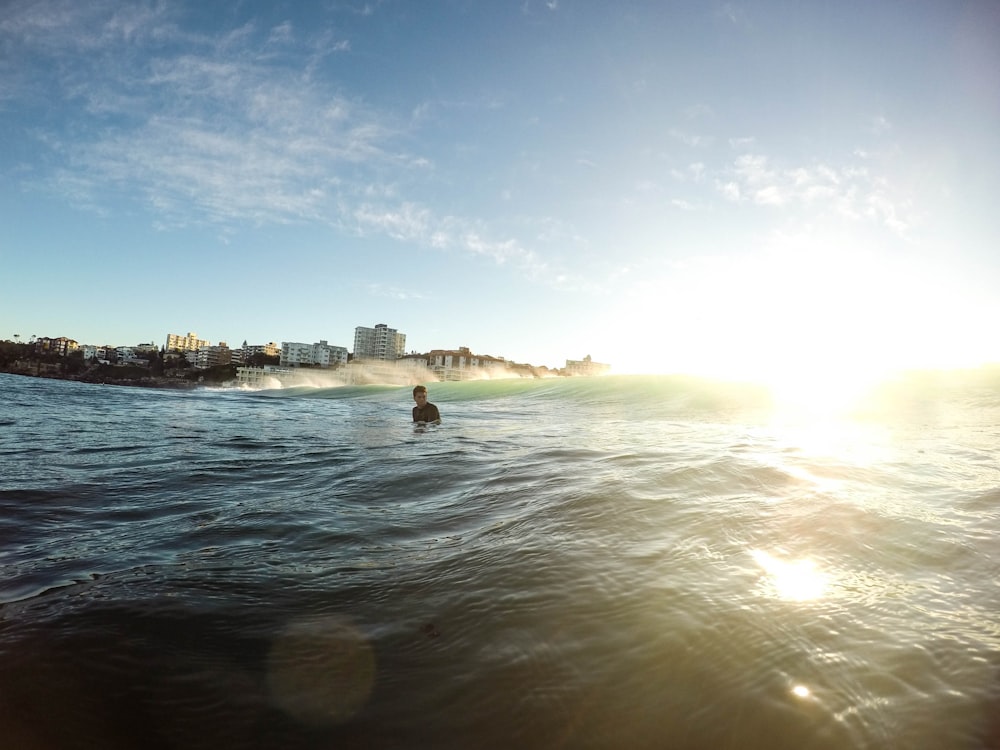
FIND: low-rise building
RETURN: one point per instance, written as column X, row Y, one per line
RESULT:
column 320, row 354
column 103, row 354
column 61, row 346
column 211, row 356
column 270, row 349
column 462, row 364
column 586, row 366
column 127, row 355
column 267, row 376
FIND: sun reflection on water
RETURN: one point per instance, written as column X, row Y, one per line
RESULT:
column 792, row 580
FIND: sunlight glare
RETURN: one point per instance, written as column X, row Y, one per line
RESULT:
column 820, row 325
column 797, row 580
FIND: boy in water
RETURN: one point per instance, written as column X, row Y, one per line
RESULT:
column 424, row 411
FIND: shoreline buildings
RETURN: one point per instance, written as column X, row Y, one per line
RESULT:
column 189, row 343
column 462, row 364
column 379, row 357
column 586, row 366
column 320, row 354
column 380, row 342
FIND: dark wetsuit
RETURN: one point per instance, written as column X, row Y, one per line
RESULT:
column 426, row 413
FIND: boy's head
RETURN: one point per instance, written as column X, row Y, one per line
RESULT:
column 420, row 394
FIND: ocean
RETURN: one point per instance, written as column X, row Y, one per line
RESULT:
column 614, row 562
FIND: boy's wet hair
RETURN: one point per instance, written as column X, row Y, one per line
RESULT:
column 419, row 389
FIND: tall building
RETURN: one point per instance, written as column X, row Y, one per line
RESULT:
column 189, row 343
column 380, row 342
column 294, row 354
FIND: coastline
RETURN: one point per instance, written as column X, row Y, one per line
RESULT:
column 98, row 377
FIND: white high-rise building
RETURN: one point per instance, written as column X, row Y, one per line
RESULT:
column 380, row 342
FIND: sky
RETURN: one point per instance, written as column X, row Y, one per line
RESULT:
column 736, row 189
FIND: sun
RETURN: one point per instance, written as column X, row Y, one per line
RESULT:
column 820, row 329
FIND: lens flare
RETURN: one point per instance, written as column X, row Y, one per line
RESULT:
column 321, row 671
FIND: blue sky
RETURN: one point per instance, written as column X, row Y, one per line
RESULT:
column 737, row 189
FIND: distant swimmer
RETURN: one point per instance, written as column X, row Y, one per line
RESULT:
column 424, row 411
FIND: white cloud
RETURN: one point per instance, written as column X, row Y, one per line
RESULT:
column 730, row 190
column 769, row 196
column 849, row 191
column 232, row 130
column 281, row 34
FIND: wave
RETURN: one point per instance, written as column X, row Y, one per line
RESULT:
column 925, row 395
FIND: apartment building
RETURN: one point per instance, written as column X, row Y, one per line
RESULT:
column 61, row 346
column 189, row 343
column 270, row 349
column 294, row 354
column 586, row 366
column 461, row 363
column 380, row 342
column 211, row 356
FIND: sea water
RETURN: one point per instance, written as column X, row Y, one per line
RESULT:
column 617, row 562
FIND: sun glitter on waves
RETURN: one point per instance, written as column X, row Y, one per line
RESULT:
column 792, row 580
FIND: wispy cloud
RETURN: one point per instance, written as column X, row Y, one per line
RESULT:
column 683, row 205
column 232, row 130
column 850, row 191
column 732, row 13
column 382, row 290
column 691, row 139
column 880, row 125
column 694, row 172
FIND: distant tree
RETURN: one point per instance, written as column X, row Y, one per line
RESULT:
column 8, row 353
column 217, row 374
column 156, row 363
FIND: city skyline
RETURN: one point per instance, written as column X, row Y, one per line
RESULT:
column 746, row 190
column 172, row 343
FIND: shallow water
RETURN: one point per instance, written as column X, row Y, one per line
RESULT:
column 589, row 563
